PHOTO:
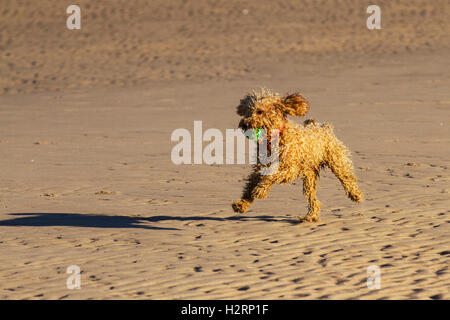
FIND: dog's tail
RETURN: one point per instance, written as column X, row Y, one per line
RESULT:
column 312, row 122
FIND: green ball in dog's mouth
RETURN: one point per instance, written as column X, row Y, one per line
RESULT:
column 257, row 133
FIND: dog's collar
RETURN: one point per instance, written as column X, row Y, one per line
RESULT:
column 280, row 131
column 276, row 134
column 258, row 132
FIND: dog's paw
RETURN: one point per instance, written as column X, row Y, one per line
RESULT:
column 356, row 196
column 240, row 206
column 309, row 218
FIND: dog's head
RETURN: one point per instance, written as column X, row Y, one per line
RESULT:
column 267, row 110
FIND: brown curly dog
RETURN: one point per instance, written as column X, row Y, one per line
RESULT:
column 302, row 150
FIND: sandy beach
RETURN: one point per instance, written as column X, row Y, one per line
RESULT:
column 86, row 176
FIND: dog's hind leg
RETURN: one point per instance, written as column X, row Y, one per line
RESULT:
column 340, row 164
column 310, row 180
column 257, row 187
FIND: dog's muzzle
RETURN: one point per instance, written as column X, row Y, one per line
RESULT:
column 243, row 125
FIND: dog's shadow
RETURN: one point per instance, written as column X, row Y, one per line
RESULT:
column 105, row 221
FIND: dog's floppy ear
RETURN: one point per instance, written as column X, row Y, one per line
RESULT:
column 295, row 105
column 243, row 106
column 241, row 109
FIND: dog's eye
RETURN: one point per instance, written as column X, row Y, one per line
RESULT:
column 259, row 112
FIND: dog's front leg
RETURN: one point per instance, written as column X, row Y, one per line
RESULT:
column 257, row 187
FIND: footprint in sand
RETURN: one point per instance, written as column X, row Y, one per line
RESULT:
column 48, row 195
column 160, row 202
column 105, row 192
column 198, row 269
column 43, row 142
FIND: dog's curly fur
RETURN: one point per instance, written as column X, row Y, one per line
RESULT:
column 302, row 152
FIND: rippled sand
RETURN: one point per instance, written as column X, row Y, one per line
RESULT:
column 86, row 177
